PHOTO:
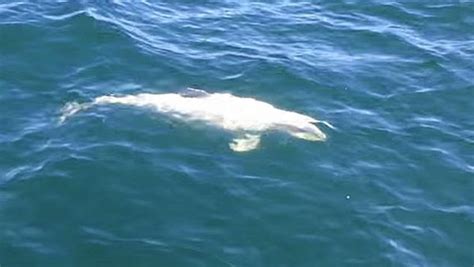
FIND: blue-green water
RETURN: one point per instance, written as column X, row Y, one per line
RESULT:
column 392, row 186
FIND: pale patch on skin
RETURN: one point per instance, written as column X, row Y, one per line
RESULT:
column 245, row 116
column 309, row 136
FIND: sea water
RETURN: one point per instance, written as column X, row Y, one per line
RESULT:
column 393, row 184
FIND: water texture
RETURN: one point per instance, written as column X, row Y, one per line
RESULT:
column 393, row 185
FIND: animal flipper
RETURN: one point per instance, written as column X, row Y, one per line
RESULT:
column 245, row 143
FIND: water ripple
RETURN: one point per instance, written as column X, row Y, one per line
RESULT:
column 391, row 186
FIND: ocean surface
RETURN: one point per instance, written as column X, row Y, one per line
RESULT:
column 393, row 185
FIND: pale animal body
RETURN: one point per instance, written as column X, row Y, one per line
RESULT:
column 248, row 118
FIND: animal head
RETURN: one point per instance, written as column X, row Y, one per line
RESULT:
column 308, row 132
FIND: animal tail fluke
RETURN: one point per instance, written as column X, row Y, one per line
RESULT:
column 72, row 108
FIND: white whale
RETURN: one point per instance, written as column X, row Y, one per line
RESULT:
column 248, row 118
